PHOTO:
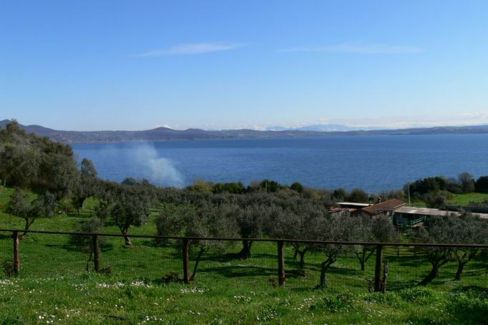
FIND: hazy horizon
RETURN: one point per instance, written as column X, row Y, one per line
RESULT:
column 326, row 127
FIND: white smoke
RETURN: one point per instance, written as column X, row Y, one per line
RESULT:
column 157, row 169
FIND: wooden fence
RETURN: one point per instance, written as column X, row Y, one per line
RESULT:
column 379, row 274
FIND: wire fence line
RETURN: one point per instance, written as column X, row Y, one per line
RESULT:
column 394, row 264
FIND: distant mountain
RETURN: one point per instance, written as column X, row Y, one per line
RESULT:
column 320, row 128
column 327, row 128
column 166, row 134
column 315, row 128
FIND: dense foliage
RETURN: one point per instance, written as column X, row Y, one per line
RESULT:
column 31, row 162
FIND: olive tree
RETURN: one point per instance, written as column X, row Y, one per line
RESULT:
column 211, row 222
column 371, row 229
column 467, row 182
column 199, row 223
column 130, row 209
column 172, row 220
column 44, row 206
column 304, row 224
column 333, row 228
column 439, row 230
column 86, row 185
column 249, row 221
column 469, row 230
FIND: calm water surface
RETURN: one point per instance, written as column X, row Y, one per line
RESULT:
column 374, row 163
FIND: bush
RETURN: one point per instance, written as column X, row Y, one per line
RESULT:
column 481, row 185
column 234, row 188
column 358, row 195
column 390, row 299
column 8, row 268
column 341, row 302
column 417, row 295
column 429, row 184
column 468, row 310
column 297, row 187
column 437, row 200
column 171, row 277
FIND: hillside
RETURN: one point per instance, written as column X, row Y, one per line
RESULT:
column 165, row 134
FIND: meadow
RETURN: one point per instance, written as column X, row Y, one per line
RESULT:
column 144, row 286
column 468, row 198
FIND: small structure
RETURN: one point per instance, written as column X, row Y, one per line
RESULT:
column 352, row 205
column 403, row 216
column 406, row 217
column 366, row 209
column 387, row 207
column 348, row 208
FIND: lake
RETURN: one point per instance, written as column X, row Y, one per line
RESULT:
column 374, row 163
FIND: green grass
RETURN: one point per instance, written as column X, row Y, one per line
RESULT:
column 53, row 285
column 468, row 198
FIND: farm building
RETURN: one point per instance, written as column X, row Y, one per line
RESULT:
column 352, row 208
column 387, row 207
column 403, row 216
column 406, row 216
column 349, row 208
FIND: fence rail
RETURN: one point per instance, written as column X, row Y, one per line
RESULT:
column 380, row 268
column 288, row 240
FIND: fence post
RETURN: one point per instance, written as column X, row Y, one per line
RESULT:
column 281, row 263
column 186, row 260
column 96, row 253
column 16, row 261
column 377, row 270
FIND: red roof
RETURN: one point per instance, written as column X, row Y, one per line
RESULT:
column 382, row 207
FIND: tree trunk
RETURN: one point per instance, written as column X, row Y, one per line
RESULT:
column 28, row 224
column 323, row 278
column 127, row 240
column 197, row 261
column 363, row 257
column 89, row 260
column 459, row 271
column 26, row 227
column 245, row 252
column 295, row 253
column 432, row 275
column 302, row 258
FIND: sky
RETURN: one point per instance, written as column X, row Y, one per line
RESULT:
column 223, row 64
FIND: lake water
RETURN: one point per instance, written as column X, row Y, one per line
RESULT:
column 374, row 163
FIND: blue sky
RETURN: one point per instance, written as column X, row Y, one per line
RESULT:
column 88, row 65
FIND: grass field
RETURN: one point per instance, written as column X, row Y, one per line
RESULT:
column 54, row 286
column 468, row 198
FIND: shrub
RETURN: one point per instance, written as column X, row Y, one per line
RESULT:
column 297, row 187
column 468, row 310
column 8, row 268
column 171, row 277
column 358, row 195
column 341, row 302
column 417, row 295
column 390, row 299
column 481, row 185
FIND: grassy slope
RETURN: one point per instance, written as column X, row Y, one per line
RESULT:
column 54, row 286
column 466, row 199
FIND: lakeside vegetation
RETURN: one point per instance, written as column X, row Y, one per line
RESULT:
column 45, row 189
